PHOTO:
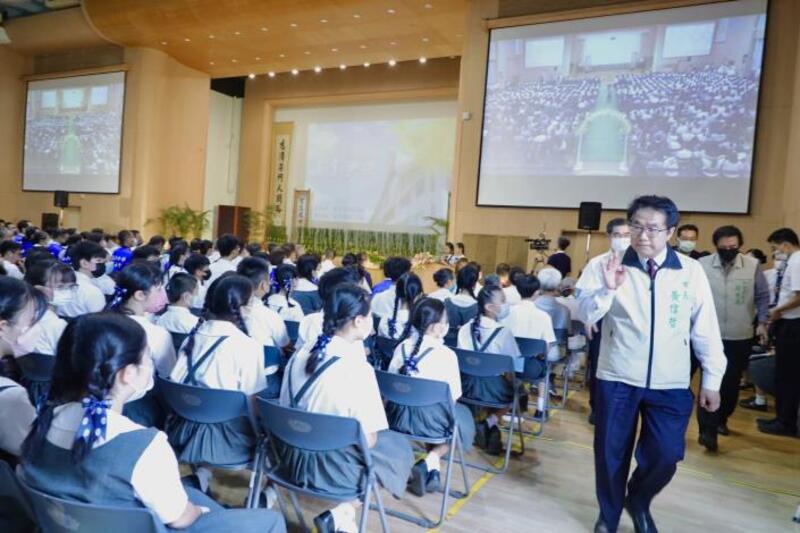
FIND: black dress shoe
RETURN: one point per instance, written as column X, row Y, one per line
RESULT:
column 709, row 440
column 723, row 429
column 601, row 527
column 481, row 435
column 419, row 475
column 523, row 403
column 494, row 446
column 642, row 520
column 433, row 482
column 776, row 427
column 750, row 403
column 324, row 523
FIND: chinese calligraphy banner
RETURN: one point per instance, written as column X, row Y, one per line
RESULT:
column 279, row 179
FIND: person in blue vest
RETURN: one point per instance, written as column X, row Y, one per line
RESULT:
column 123, row 255
column 653, row 302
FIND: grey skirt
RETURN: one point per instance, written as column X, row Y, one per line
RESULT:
column 225, row 444
column 341, row 472
column 494, row 389
column 432, row 421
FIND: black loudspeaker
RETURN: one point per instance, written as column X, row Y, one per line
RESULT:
column 49, row 220
column 61, row 199
column 589, row 215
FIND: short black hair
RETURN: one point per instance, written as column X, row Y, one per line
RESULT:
column 758, row 254
column 306, row 265
column 180, row 284
column 394, row 267
column 156, row 240
column 443, row 276
column 779, row 236
column 253, row 268
column 527, row 285
column 9, row 247
column 461, row 245
column 657, row 203
column 85, row 250
column 502, row 269
column 689, row 227
column 614, row 223
column 563, row 243
column 195, row 262
column 727, row 231
column 227, row 243
column 143, row 252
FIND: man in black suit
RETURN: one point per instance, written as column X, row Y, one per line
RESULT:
column 560, row 260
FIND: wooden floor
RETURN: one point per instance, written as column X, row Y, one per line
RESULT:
column 751, row 485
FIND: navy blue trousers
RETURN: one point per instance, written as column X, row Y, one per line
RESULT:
column 661, row 444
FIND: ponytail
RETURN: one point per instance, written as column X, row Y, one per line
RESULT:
column 426, row 312
column 393, row 320
column 484, row 299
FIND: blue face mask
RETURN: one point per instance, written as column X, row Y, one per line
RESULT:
column 453, row 289
column 109, row 268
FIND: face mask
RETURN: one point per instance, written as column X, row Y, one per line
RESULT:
column 453, row 289
column 780, row 256
column 99, row 270
column 503, row 312
column 140, row 393
column 109, row 268
column 157, row 301
column 686, row 246
column 61, row 297
column 727, row 255
column 620, row 244
column 206, row 275
column 12, row 334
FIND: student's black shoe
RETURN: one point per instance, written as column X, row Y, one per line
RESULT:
column 723, row 429
column 591, row 418
column 419, row 474
column 481, row 435
column 494, row 446
column 601, row 527
column 750, row 403
column 709, row 440
column 642, row 519
column 776, row 427
column 538, row 415
column 324, row 523
column 523, row 403
column 433, row 483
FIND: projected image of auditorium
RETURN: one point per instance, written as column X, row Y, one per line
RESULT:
column 675, row 99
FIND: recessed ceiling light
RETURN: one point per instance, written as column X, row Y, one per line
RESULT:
column 366, row 64
column 342, row 66
column 356, row 16
column 234, row 60
column 425, row 39
column 187, row 40
column 257, row 58
column 271, row 74
column 237, row 33
column 264, row 28
column 334, row 49
column 282, row 56
column 423, row 59
column 392, row 62
column 363, row 46
column 428, row 6
column 391, row 11
column 293, row 24
column 295, row 72
column 164, row 43
column 307, row 53
column 210, row 62
column 210, row 36
column 393, row 43
column 252, row 76
column 318, row 69
column 324, row 21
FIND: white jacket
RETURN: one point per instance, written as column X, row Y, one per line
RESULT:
column 648, row 328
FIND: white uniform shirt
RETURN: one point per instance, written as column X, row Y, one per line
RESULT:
column 156, row 479
column 310, row 328
column 236, row 364
column 87, row 299
column 503, row 343
column 512, row 295
column 160, row 343
column 347, row 388
column 441, row 364
column 219, row 267
column 383, row 302
column 684, row 315
column 16, row 414
column 400, row 324
column 199, row 300
column 464, row 300
column 528, row 321
column 265, row 325
column 280, row 304
column 42, row 337
column 12, row 270
column 177, row 319
column 105, row 284
column 441, row 294
column 790, row 284
column 303, row 285
column 326, row 266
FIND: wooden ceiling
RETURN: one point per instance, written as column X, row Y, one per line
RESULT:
column 237, row 37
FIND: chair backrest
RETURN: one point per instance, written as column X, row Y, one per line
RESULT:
column 272, row 356
column 309, row 431
column 412, row 391
column 483, row 365
column 451, row 339
column 37, row 366
column 10, row 487
column 203, row 405
column 177, row 339
column 292, row 329
column 55, row 515
column 531, row 347
column 385, row 347
column 376, row 322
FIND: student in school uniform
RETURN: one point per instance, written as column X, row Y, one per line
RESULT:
column 327, row 263
column 56, row 282
column 220, row 354
column 229, row 248
column 176, row 258
column 280, row 300
column 11, row 253
column 423, row 354
column 384, row 292
column 463, row 306
column 445, row 283
column 311, row 325
column 88, row 260
column 485, row 334
column 123, row 255
column 509, row 287
column 332, row 376
column 526, row 319
column 178, row 318
column 305, row 292
column 354, row 261
column 407, row 290
column 198, row 265
column 264, row 324
column 83, row 448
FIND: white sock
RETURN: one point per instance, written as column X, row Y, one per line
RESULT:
column 540, row 403
column 344, row 518
column 761, row 399
column 491, row 420
column 432, row 461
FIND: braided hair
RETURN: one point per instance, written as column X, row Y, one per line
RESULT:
column 426, row 312
column 137, row 276
column 91, row 352
column 407, row 290
column 345, row 302
column 466, row 279
column 485, row 298
column 284, row 279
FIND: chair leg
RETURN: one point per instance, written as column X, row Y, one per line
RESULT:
column 365, row 505
column 467, row 486
column 298, row 512
column 381, row 511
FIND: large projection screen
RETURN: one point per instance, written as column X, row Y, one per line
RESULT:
column 73, row 134
column 608, row 108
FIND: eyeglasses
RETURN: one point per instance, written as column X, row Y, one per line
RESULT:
column 650, row 232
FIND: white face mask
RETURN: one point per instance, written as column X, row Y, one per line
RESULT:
column 140, row 393
column 686, row 246
column 503, row 312
column 779, row 263
column 780, row 256
column 620, row 244
column 61, row 297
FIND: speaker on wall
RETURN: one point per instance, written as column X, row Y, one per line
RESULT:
column 589, row 215
column 61, row 199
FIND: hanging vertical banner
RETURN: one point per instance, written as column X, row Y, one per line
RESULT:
column 302, row 210
column 281, row 144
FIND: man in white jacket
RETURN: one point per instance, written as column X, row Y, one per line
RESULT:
column 653, row 303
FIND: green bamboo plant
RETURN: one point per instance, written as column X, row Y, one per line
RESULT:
column 183, row 222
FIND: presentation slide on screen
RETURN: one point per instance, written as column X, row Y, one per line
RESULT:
column 608, row 108
column 380, row 167
column 73, row 134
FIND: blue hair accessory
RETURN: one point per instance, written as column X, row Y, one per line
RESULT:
column 94, row 421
